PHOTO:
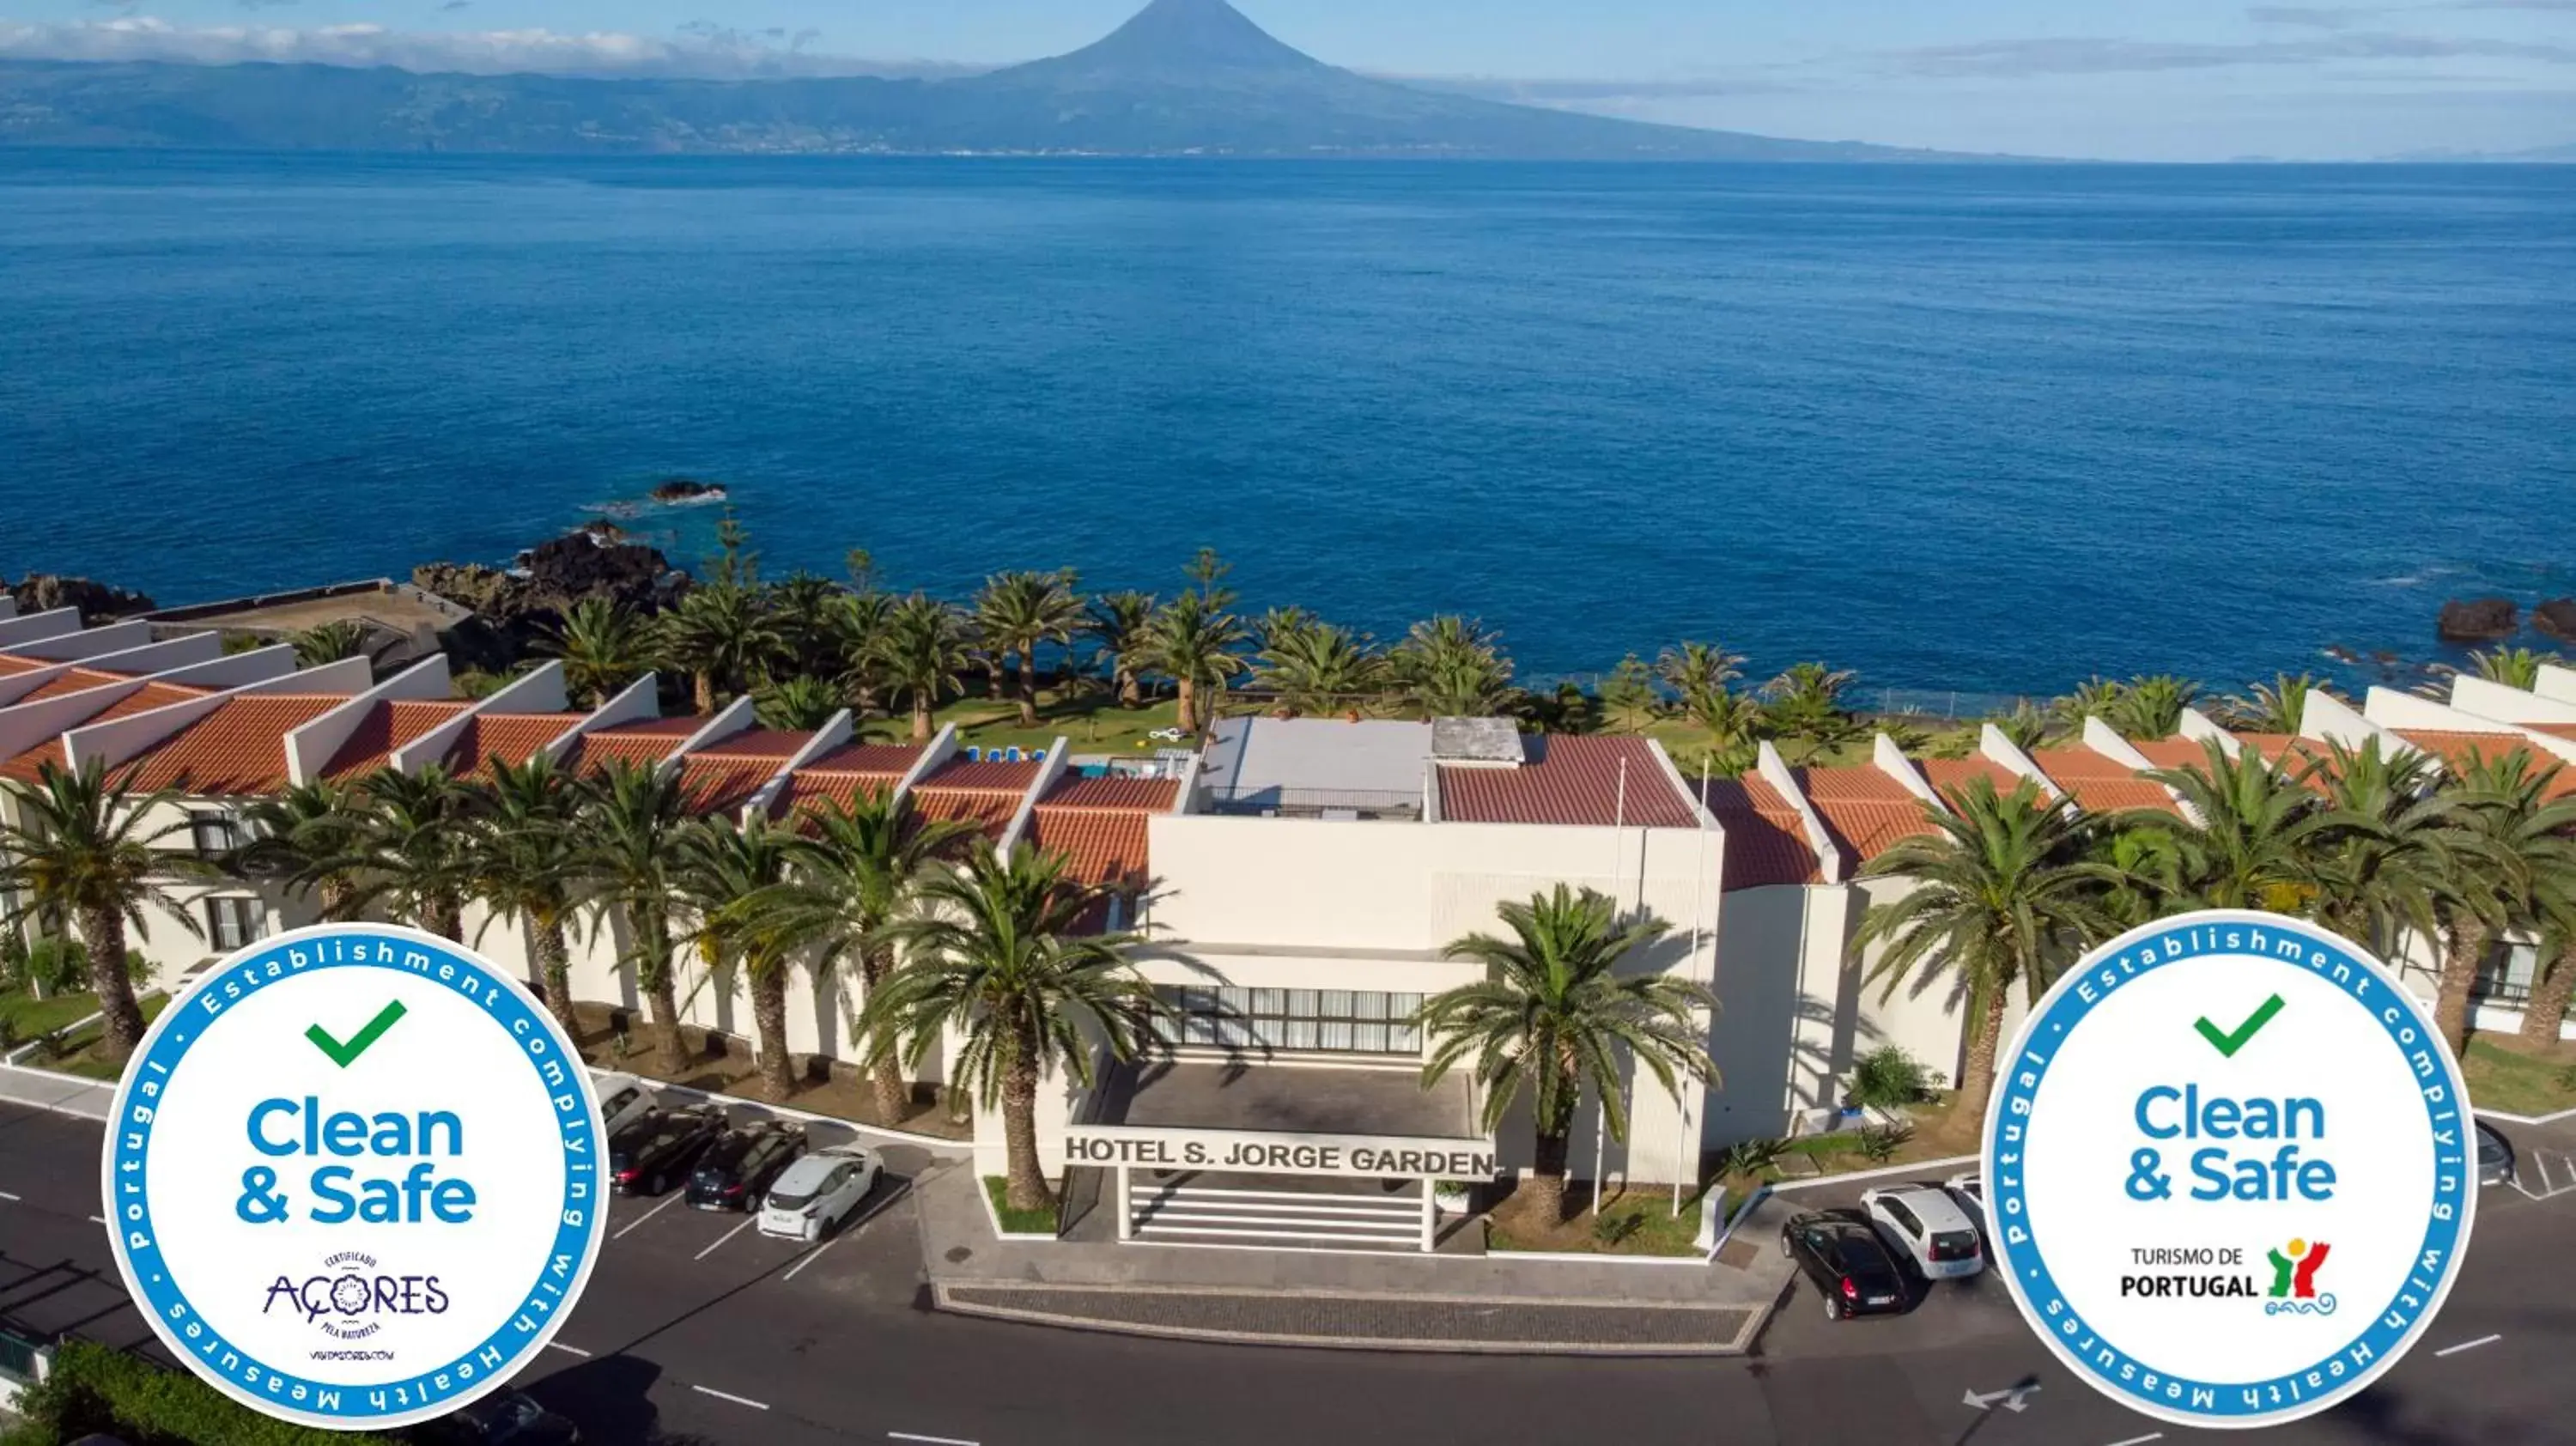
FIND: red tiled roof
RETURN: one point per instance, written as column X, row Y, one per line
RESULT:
column 513, row 737
column 390, row 724
column 770, row 743
column 1948, row 775
column 999, row 777
column 637, row 743
column 238, row 748
column 2554, row 730
column 808, row 789
column 714, row 783
column 2065, row 765
column 75, row 680
column 1571, row 780
column 2100, row 783
column 1865, row 812
column 2175, row 752
column 11, row 666
column 987, row 807
column 1100, row 845
column 1766, row 842
column 1146, row 795
column 2457, row 748
column 141, row 700
column 891, row 759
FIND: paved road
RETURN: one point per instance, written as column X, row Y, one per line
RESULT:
column 693, row 1331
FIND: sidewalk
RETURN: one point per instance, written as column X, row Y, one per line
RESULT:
column 62, row 1093
column 1372, row 1301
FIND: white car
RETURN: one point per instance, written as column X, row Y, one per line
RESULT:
column 1925, row 1223
column 622, row 1097
column 818, row 1192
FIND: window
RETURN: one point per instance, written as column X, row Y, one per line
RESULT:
column 1904, row 1218
column 1327, row 1021
column 214, row 831
column 232, row 923
column 2504, row 976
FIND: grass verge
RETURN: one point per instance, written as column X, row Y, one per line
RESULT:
column 1633, row 1220
column 24, row 1017
column 78, row 1052
column 2503, row 1075
column 1017, row 1222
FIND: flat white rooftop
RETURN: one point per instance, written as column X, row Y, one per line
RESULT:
column 1374, row 767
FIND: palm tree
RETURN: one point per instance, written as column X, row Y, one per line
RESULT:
column 802, row 703
column 2381, row 853
column 2003, row 894
column 854, row 623
column 2513, row 848
column 2545, row 1013
column 2025, row 727
column 2091, row 698
column 304, row 837
column 1319, row 668
column 1689, row 668
column 2513, row 667
column 1116, row 623
column 520, row 854
column 721, row 634
column 626, row 858
column 604, row 647
column 1630, row 701
column 2251, row 836
column 1806, row 709
column 996, row 957
column 922, row 649
column 851, row 880
column 330, row 642
column 2279, row 706
column 725, row 872
column 1454, row 667
column 801, row 607
column 1015, row 612
column 1191, row 641
column 85, row 849
column 2152, row 706
column 1553, row 1014
column 412, row 845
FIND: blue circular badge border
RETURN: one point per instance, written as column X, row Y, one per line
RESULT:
column 2283, row 1397
column 468, row 1376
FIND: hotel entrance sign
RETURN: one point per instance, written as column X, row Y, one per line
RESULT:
column 1258, row 1152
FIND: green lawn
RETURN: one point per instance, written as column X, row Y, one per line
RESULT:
column 23, row 1018
column 1017, row 1222
column 2503, row 1076
column 1637, row 1221
column 1089, row 725
column 77, row 1053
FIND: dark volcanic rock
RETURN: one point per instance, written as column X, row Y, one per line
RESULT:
column 578, row 565
column 688, row 489
column 44, row 591
column 2480, row 620
column 521, row 608
column 2557, row 618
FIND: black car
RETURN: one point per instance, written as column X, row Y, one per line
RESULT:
column 736, row 1170
column 1840, row 1251
column 648, row 1154
column 510, row 1418
column 2495, row 1156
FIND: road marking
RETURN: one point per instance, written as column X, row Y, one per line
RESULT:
column 647, row 1215
column 811, row 1256
column 2014, row 1398
column 932, row 1440
column 98, row 1220
column 5, row 1195
column 728, row 1235
column 2468, row 1345
column 729, row 1396
column 568, row 1350
column 2141, row 1440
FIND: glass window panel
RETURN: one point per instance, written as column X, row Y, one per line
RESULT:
column 1270, row 1003
column 1301, row 1004
column 1333, row 1003
column 1369, row 1005
column 1299, row 1034
column 1404, row 1038
column 1335, row 1034
column 1372, row 1038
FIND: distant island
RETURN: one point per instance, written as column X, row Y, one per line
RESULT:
column 1181, row 78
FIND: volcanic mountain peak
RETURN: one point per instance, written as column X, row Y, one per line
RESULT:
column 1175, row 36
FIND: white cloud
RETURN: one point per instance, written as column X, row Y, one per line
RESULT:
column 705, row 51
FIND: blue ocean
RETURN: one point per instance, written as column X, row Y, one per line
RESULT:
column 1990, row 429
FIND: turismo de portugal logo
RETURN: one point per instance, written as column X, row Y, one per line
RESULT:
column 354, row 1176
column 2229, row 1166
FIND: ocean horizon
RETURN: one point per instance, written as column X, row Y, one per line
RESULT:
column 1991, row 428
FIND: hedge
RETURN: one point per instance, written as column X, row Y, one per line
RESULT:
column 92, row 1388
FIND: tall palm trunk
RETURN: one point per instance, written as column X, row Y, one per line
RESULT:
column 554, row 962
column 920, row 717
column 1028, row 1186
column 885, row 1077
column 2547, row 1011
column 2459, row 977
column 1131, row 694
column 336, row 891
column 769, row 1019
column 705, row 684
column 1028, row 685
column 1977, row 1075
column 103, row 932
column 661, row 989
column 1189, row 706
column 444, row 917
column 1547, row 1174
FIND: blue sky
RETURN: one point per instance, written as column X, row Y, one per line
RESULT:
column 2144, row 79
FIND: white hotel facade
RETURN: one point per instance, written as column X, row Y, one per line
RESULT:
column 1297, row 879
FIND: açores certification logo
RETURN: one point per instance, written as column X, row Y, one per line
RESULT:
column 354, row 1176
column 2229, row 1166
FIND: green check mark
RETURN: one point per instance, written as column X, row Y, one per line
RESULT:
column 342, row 1054
column 2227, row 1042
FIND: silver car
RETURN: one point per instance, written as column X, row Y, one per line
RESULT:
column 818, row 1192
